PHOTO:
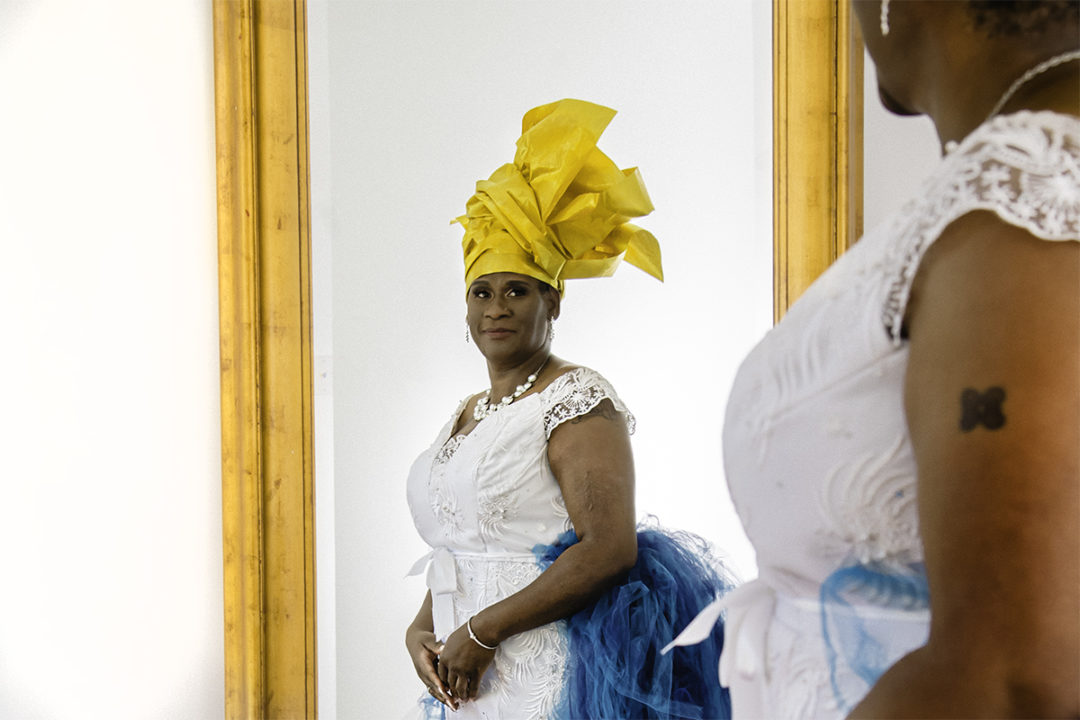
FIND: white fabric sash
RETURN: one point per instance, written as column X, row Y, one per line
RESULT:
column 749, row 610
column 442, row 580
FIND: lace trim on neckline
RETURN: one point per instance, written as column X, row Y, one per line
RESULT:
column 572, row 394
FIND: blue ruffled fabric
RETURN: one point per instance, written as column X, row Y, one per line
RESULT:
column 616, row 668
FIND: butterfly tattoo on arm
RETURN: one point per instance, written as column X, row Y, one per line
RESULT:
column 982, row 408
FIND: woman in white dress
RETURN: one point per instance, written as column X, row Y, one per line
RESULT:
column 544, row 477
column 903, row 447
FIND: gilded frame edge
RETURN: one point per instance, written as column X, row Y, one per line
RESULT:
column 817, row 141
column 260, row 88
column 260, row 80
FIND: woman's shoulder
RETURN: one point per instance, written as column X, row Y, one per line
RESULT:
column 1021, row 168
column 1025, row 167
column 563, row 377
column 566, row 377
column 575, row 390
column 1055, row 124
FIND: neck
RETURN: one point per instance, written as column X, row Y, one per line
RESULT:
column 505, row 378
column 961, row 110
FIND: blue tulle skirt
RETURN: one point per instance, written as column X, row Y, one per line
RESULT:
column 616, row 669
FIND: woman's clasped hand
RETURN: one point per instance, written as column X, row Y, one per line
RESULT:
column 461, row 664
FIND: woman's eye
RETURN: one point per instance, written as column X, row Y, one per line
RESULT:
column 480, row 293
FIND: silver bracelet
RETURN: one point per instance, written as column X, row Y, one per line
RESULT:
column 468, row 626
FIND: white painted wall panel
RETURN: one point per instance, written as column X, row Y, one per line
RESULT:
column 110, row 511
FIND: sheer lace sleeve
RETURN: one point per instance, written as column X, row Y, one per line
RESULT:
column 575, row 393
column 1024, row 167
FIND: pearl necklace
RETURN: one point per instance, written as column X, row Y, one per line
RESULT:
column 1032, row 73
column 483, row 409
column 1020, row 82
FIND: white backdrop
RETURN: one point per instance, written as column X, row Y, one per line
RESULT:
column 412, row 102
column 110, row 518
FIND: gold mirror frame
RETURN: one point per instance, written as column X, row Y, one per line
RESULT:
column 264, row 255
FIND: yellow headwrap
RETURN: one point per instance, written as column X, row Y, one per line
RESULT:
column 560, row 210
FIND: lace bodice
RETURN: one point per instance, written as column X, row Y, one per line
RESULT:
column 816, row 448
column 483, row 501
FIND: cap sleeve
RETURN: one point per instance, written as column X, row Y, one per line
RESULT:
column 576, row 393
column 1024, row 167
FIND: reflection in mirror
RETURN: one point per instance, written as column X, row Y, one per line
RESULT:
column 410, row 104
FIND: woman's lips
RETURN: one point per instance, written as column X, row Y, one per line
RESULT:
column 498, row 333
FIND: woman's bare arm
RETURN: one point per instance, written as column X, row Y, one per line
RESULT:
column 993, row 404
column 592, row 460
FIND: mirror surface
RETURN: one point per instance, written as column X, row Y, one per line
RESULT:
column 411, row 103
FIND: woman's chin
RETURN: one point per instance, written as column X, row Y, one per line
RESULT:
column 893, row 105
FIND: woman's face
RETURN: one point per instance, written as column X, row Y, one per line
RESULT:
column 509, row 316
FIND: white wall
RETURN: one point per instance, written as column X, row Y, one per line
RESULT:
column 425, row 98
column 898, row 153
column 110, row 513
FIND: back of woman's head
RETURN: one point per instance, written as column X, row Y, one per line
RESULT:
column 1026, row 17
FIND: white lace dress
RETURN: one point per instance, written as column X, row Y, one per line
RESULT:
column 482, row 501
column 816, row 448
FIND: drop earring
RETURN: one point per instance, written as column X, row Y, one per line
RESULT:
column 884, row 18
column 551, row 330
column 468, row 334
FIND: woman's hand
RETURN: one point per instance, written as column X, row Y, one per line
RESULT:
column 461, row 665
column 424, row 650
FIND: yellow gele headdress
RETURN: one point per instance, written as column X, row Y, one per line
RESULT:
column 560, row 210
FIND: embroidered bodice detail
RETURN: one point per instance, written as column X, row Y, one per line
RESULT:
column 448, row 449
column 483, row 501
column 450, row 445
column 868, row 508
column 816, row 447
